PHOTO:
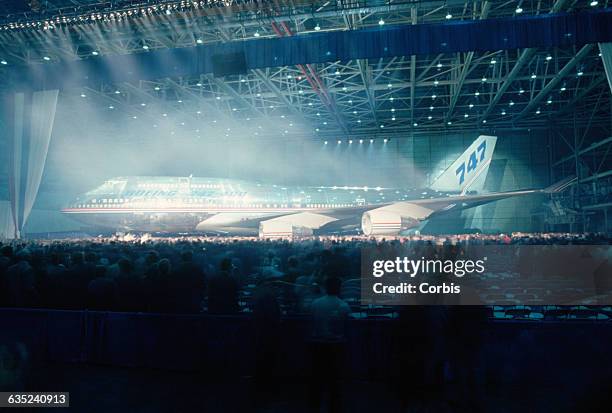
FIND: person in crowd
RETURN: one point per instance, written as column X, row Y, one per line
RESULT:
column 129, row 287
column 223, row 290
column 187, row 284
column 20, row 282
column 329, row 317
column 101, row 291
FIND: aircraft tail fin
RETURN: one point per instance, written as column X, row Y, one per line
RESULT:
column 469, row 171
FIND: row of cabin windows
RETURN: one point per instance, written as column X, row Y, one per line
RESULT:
column 148, row 204
column 168, row 186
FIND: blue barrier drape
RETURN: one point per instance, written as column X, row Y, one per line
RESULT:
column 547, row 30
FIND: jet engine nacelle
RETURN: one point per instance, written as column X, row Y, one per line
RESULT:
column 381, row 222
column 282, row 229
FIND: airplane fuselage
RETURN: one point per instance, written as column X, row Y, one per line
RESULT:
column 175, row 204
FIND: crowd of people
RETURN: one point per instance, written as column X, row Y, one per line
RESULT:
column 194, row 274
column 265, row 278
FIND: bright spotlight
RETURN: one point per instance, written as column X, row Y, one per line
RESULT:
column 350, row 141
column 95, row 53
column 3, row 62
column 325, row 143
column 47, row 58
column 199, row 41
column 256, row 34
column 381, row 22
column 385, row 140
column 145, row 47
column 371, row 140
column 594, row 3
column 339, row 142
column 448, row 16
column 317, row 27
column 518, row 10
column 83, row 95
column 360, row 140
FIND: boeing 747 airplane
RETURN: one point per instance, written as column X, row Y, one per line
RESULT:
column 224, row 206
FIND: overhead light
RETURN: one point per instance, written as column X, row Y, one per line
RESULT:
column 439, row 65
column 511, row 103
column 549, row 57
column 431, row 108
column 594, row 3
column 448, row 16
column 256, row 34
column 95, row 53
column 3, row 62
column 433, row 96
column 415, row 124
column 385, row 140
column 350, row 141
column 503, row 112
column 484, row 121
column 477, row 93
column 199, row 41
column 521, row 91
column 325, row 143
column 389, row 85
column 371, row 140
column 117, row 92
column 518, row 10
column 382, row 126
column 381, row 22
column 145, row 47
column 484, row 79
column 493, row 61
column 538, row 112
column 471, row 105
column 317, row 27
column 111, row 107
column 47, row 58
column 563, row 88
column 143, row 104
column 393, row 118
column 429, row 117
column 549, row 101
column 339, row 142
column 533, row 76
column 580, row 72
column 83, row 95
column 360, row 140
column 449, row 123
column 168, row 12
column 466, row 115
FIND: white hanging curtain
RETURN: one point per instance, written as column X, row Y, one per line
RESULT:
column 7, row 227
column 30, row 125
column 606, row 57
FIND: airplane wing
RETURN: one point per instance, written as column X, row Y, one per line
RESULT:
column 392, row 219
column 470, row 201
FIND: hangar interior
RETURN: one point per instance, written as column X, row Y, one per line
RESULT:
column 375, row 120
